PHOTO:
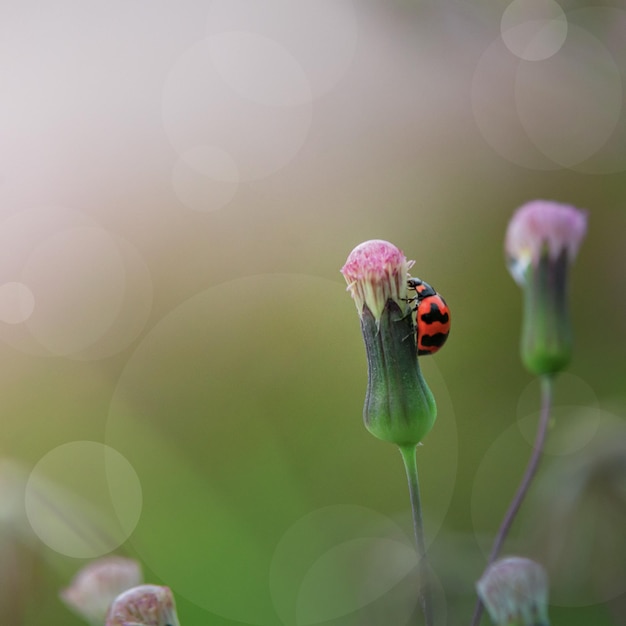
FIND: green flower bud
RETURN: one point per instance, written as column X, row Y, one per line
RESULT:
column 514, row 591
column 399, row 406
column 546, row 344
column 542, row 241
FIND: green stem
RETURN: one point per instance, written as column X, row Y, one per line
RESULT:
column 529, row 474
column 425, row 595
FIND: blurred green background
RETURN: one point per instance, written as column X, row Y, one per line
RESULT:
column 180, row 184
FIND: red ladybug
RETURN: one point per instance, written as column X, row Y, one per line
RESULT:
column 432, row 317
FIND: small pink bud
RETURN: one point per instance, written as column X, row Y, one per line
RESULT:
column 146, row 605
column 514, row 591
column 541, row 243
column 96, row 585
column 377, row 271
column 542, row 226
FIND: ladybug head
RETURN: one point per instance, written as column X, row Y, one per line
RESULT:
column 421, row 288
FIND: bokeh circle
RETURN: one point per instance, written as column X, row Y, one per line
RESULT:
column 341, row 560
column 545, row 101
column 575, row 517
column 78, row 290
column 570, row 104
column 533, row 30
column 573, row 412
column 299, row 29
column 572, row 429
column 246, row 115
column 83, row 499
column 17, row 302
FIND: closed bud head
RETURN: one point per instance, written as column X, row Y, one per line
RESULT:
column 377, row 271
column 543, row 228
column 542, row 241
column 514, row 591
column 146, row 605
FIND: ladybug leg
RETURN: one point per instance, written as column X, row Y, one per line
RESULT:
column 406, row 315
column 414, row 299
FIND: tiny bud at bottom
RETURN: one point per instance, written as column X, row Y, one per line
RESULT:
column 514, row 591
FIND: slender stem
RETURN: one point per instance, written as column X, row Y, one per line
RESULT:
column 425, row 597
column 531, row 470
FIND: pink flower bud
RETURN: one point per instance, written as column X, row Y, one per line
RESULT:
column 147, row 605
column 514, row 591
column 541, row 243
column 94, row 587
column 540, row 227
column 377, row 271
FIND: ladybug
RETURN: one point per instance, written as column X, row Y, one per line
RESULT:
column 432, row 317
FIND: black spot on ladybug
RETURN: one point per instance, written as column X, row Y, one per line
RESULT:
column 433, row 341
column 435, row 315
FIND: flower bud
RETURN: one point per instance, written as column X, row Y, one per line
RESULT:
column 399, row 406
column 514, row 591
column 146, row 605
column 542, row 241
column 96, row 585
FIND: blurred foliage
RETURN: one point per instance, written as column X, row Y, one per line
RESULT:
column 265, row 501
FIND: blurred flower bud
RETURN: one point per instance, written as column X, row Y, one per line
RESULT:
column 399, row 406
column 146, row 605
column 542, row 241
column 96, row 585
column 514, row 591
